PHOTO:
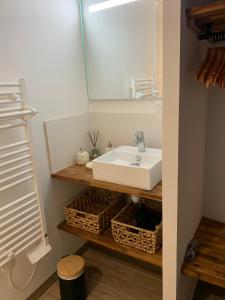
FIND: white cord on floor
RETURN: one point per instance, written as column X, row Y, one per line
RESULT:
column 18, row 288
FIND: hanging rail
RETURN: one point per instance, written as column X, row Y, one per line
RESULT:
column 208, row 21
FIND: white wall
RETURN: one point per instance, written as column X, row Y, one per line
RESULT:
column 182, row 56
column 118, row 120
column 119, row 128
column 41, row 42
column 171, row 94
column 192, row 142
column 215, row 157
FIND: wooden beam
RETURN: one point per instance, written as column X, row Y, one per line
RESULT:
column 209, row 264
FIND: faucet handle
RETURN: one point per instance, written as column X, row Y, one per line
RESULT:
column 139, row 140
column 139, row 134
column 136, row 138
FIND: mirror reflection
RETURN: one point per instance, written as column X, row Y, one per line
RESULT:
column 119, row 39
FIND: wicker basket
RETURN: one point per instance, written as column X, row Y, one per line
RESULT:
column 124, row 229
column 94, row 210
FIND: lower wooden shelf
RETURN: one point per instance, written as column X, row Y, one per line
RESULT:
column 209, row 264
column 106, row 240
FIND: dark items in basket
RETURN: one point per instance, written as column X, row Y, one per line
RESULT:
column 147, row 218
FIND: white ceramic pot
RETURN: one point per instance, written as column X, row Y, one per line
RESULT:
column 82, row 157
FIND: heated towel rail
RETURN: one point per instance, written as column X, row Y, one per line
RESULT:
column 21, row 222
column 141, row 88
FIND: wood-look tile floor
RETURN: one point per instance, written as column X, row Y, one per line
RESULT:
column 113, row 277
column 206, row 291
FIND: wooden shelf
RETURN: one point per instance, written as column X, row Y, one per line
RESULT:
column 214, row 14
column 209, row 264
column 82, row 175
column 106, row 240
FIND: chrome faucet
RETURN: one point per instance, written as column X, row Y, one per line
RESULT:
column 139, row 140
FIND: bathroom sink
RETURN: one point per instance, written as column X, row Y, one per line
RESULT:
column 127, row 166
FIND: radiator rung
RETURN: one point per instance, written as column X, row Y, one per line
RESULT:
column 13, row 145
column 18, row 237
column 9, row 93
column 19, row 229
column 8, row 126
column 18, row 215
column 15, row 160
column 17, row 201
column 2, row 263
column 8, row 186
column 10, row 84
column 10, row 101
column 17, row 208
column 16, row 168
column 2, row 232
column 16, row 152
column 16, row 175
column 20, row 243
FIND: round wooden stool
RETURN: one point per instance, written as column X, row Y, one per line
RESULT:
column 70, row 270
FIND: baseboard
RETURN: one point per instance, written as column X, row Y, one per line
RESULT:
column 192, row 290
column 43, row 288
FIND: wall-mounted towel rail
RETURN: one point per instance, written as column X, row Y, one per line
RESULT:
column 18, row 114
column 141, row 88
column 16, row 152
column 8, row 126
column 9, row 93
column 15, row 160
column 13, row 145
column 21, row 166
column 21, row 222
column 18, row 224
column 11, row 84
column 17, row 201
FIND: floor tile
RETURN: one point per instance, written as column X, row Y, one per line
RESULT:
column 107, row 271
column 144, row 287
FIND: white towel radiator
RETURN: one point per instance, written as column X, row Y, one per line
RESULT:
column 21, row 222
column 141, row 88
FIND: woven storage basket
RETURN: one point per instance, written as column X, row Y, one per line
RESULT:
column 124, row 229
column 94, row 210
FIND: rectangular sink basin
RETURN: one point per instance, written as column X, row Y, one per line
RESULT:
column 127, row 166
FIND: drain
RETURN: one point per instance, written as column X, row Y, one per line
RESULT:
column 136, row 164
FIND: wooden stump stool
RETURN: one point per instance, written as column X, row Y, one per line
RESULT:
column 70, row 271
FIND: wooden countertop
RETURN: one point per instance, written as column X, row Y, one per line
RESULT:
column 82, row 175
column 209, row 264
column 106, row 240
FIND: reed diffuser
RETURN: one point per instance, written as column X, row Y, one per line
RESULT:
column 93, row 137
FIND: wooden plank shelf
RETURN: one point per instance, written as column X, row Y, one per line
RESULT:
column 106, row 240
column 200, row 17
column 209, row 264
column 82, row 175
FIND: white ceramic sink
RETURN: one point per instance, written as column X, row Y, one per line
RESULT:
column 126, row 166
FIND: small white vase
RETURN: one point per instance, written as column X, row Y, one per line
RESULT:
column 82, row 157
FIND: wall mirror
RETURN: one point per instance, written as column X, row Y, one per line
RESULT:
column 119, row 41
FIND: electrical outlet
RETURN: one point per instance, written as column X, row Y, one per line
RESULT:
column 10, row 264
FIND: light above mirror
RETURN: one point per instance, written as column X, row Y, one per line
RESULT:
column 108, row 4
